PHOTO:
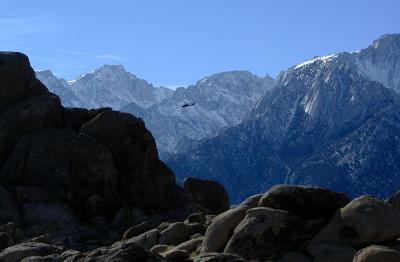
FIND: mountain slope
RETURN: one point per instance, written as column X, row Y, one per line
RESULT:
column 60, row 87
column 326, row 122
column 222, row 100
column 112, row 86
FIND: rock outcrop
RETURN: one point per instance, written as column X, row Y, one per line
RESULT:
column 210, row 194
column 80, row 176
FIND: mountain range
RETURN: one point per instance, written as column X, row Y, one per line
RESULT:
column 333, row 121
column 222, row 100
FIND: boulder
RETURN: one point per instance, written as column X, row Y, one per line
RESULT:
column 146, row 240
column 210, row 194
column 190, row 245
column 306, row 202
column 267, row 233
column 222, row 226
column 218, row 232
column 26, row 116
column 8, row 207
column 122, row 252
column 136, row 230
column 95, row 206
column 158, row 249
column 49, row 258
column 377, row 253
column 336, row 253
column 74, row 118
column 364, row 220
column 177, row 256
column 135, row 153
column 17, row 78
column 68, row 166
column 295, row 257
column 196, row 218
column 6, row 240
column 179, row 232
column 48, row 218
column 218, row 257
column 18, row 252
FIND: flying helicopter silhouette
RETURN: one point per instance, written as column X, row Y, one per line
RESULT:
column 188, row 104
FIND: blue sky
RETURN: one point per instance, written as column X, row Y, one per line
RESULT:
column 177, row 42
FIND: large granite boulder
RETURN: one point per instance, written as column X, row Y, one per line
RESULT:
column 25, row 117
column 18, row 252
column 69, row 166
column 210, row 194
column 364, row 220
column 306, row 202
column 136, row 158
column 18, row 79
column 375, row 253
column 267, row 233
column 124, row 252
column 222, row 226
column 8, row 207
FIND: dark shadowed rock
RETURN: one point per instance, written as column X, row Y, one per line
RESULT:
column 18, row 252
column 126, row 252
column 8, row 207
column 25, row 117
column 179, row 232
column 394, row 200
column 207, row 193
column 306, row 202
column 6, row 240
column 69, row 166
column 267, row 233
column 295, row 257
column 336, row 253
column 377, row 253
column 135, row 154
column 218, row 257
column 177, row 256
column 136, row 230
column 74, row 118
column 17, row 79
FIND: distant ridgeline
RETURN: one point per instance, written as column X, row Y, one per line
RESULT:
column 333, row 121
column 221, row 100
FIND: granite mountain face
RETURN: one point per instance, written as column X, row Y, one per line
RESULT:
column 222, row 100
column 332, row 121
column 107, row 86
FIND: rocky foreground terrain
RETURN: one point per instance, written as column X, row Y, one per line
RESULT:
column 87, row 185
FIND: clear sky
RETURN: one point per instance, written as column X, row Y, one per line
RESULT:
column 177, row 42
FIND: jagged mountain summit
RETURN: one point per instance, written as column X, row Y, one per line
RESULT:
column 327, row 122
column 113, row 86
column 222, row 100
column 107, row 86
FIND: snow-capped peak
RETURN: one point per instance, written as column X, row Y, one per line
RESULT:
column 324, row 59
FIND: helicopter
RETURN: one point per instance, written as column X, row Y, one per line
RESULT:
column 188, row 104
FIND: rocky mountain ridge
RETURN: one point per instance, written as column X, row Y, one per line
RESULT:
column 222, row 100
column 324, row 123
